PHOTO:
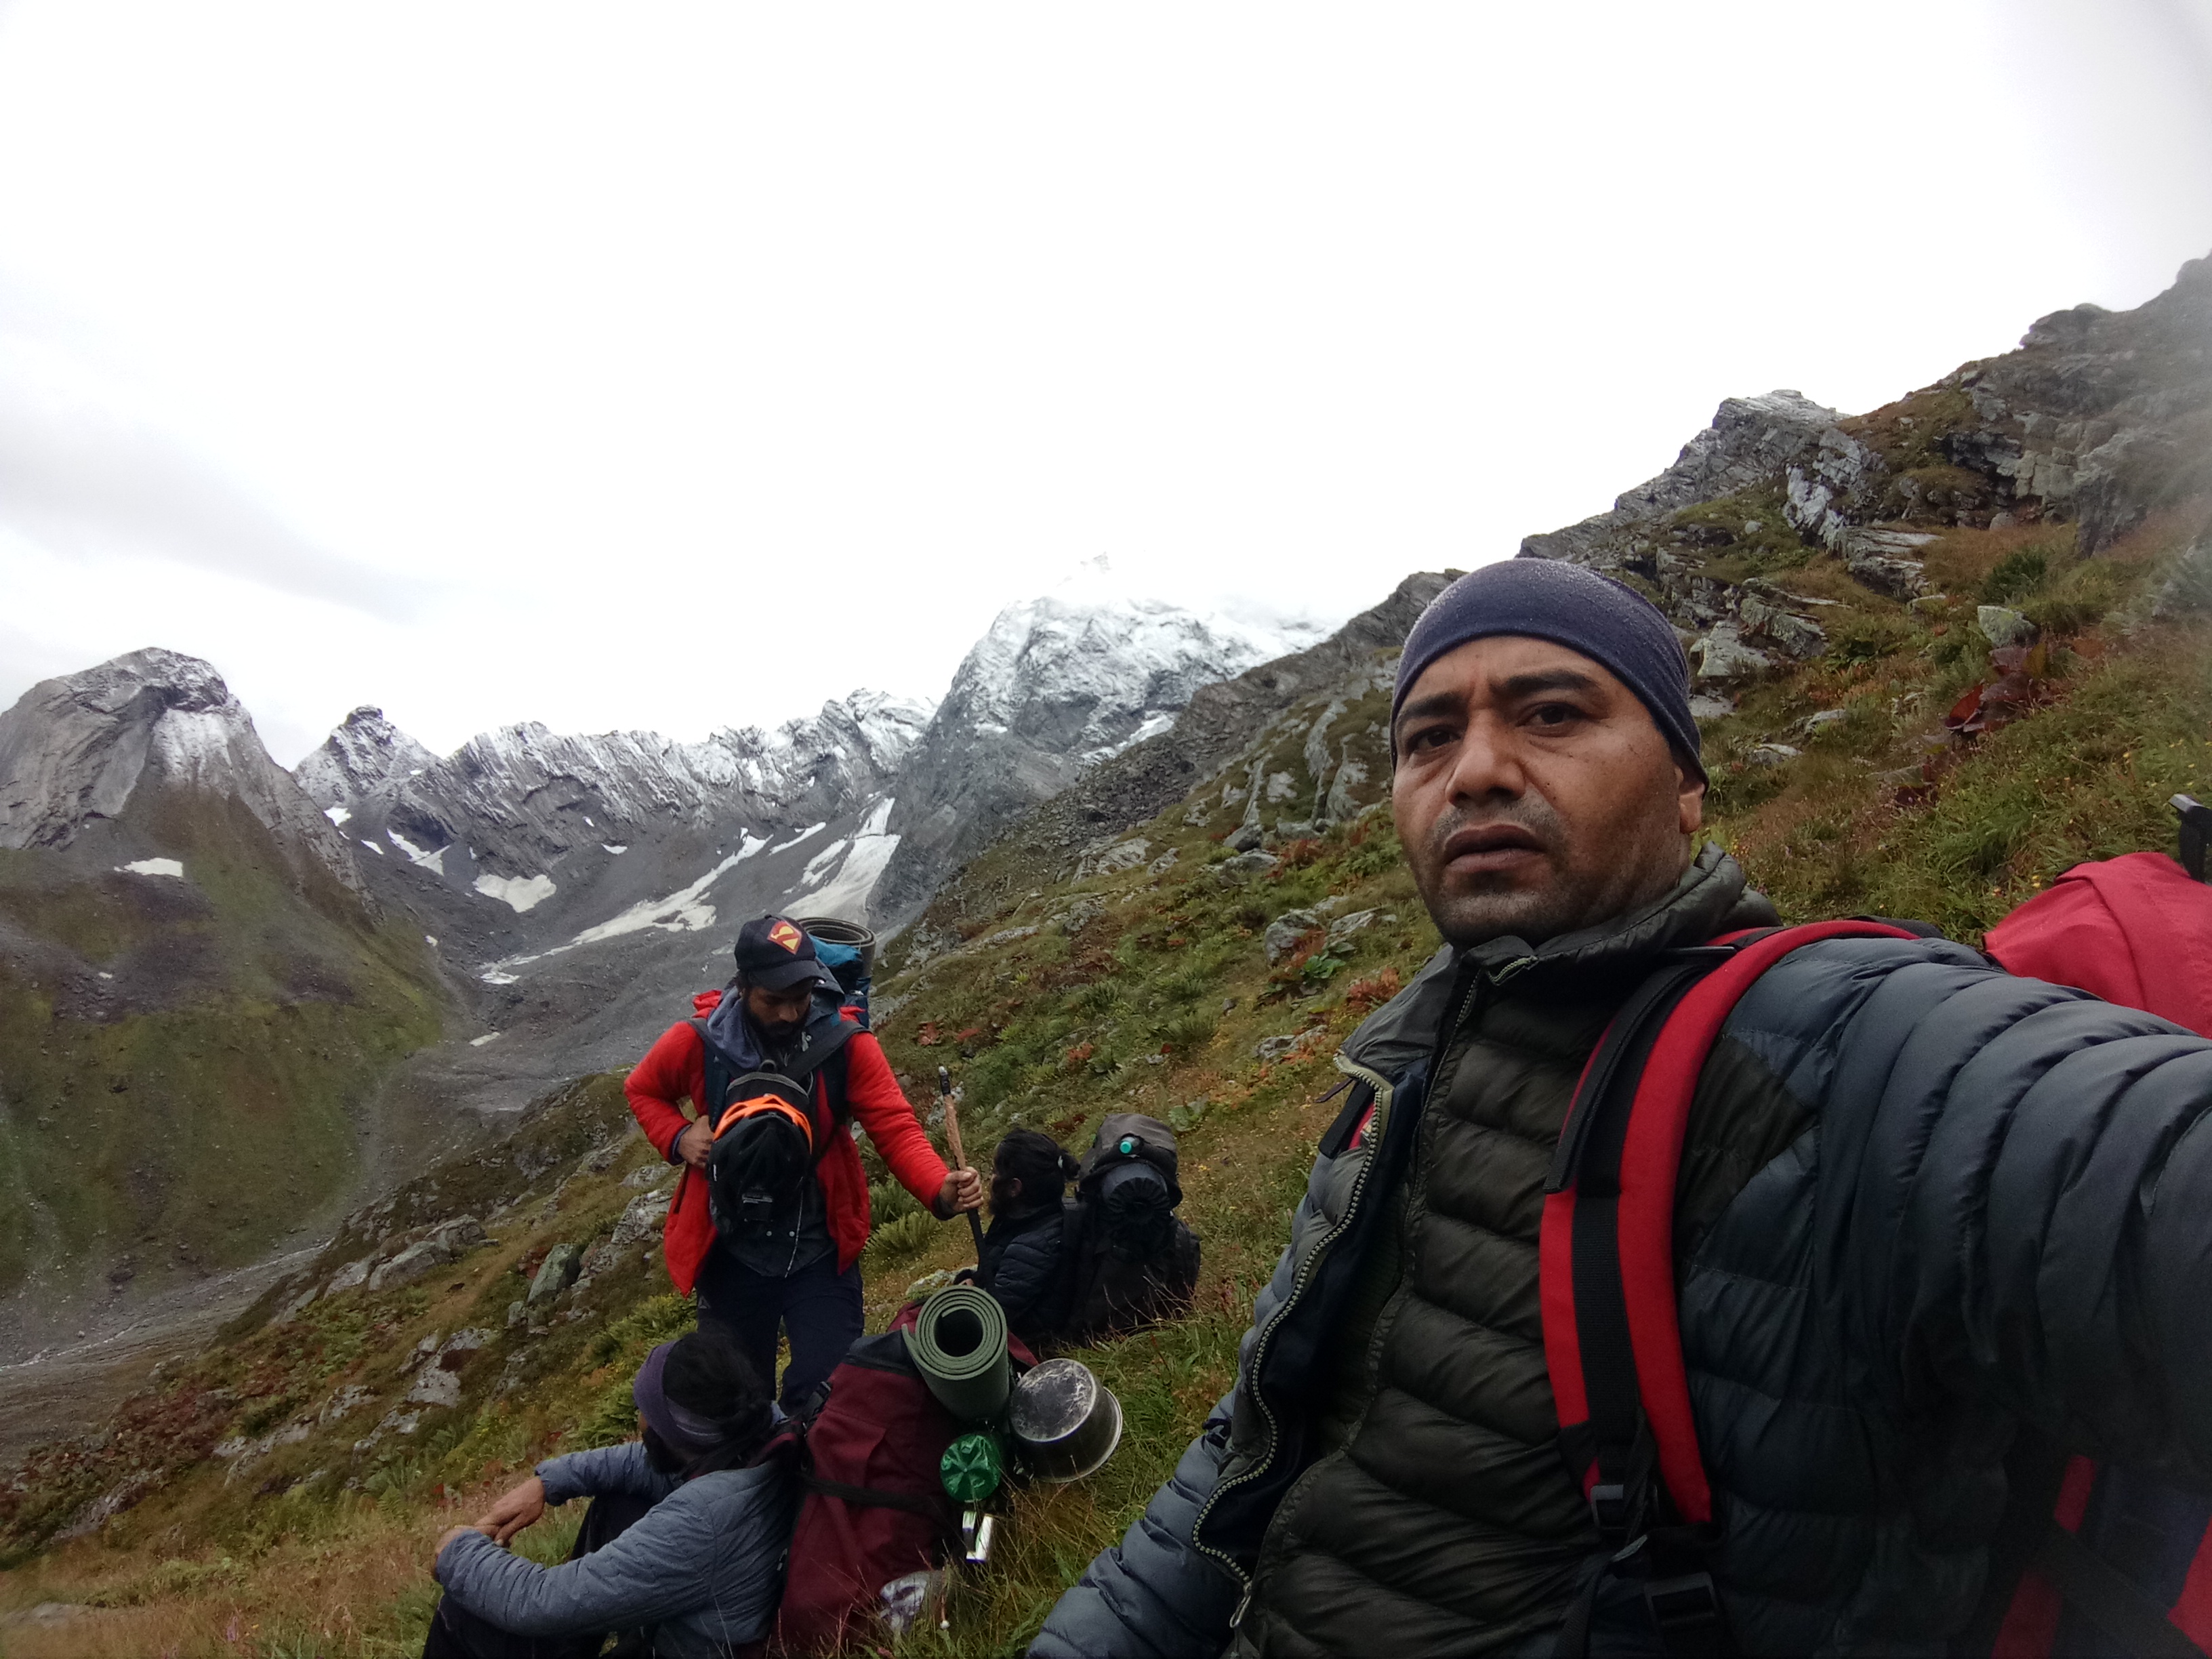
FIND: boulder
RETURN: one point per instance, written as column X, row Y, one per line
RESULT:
column 445, row 1244
column 1126, row 855
column 1229, row 872
column 435, row 1386
column 562, row 1264
column 1772, row 753
column 1704, row 706
column 1721, row 655
column 1245, row 836
column 1887, row 560
column 417, row 1261
column 1285, row 933
column 641, row 1218
column 1165, row 862
column 1341, row 930
column 2188, row 588
column 2001, row 627
column 1078, row 916
column 353, row 1273
column 1797, row 636
column 1822, row 721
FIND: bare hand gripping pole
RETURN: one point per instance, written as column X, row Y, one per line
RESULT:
column 952, row 1139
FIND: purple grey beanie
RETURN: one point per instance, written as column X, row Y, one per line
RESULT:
column 1606, row 621
column 687, row 1434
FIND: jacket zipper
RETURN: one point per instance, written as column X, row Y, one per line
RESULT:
column 1385, row 1099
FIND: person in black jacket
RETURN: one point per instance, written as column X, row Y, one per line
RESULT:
column 1926, row 1213
column 1021, row 1262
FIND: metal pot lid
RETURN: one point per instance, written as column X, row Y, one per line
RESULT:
column 1052, row 1401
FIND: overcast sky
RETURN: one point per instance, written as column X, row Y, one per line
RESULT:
column 672, row 366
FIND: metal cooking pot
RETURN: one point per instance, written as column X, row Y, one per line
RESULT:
column 1066, row 1422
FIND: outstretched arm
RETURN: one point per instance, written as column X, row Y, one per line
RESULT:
column 2018, row 1181
column 883, row 1110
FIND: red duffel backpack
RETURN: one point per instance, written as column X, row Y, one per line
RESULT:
column 875, row 1509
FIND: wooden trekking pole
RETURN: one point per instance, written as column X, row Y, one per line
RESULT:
column 952, row 1139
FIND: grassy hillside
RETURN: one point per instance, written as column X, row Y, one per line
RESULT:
column 1071, row 993
column 186, row 1059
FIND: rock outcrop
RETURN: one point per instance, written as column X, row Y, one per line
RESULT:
column 2099, row 418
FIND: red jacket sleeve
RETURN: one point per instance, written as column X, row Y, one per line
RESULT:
column 882, row 1108
column 673, row 1069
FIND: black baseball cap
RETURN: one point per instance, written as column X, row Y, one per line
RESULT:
column 776, row 954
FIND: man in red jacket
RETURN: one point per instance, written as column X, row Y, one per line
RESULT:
column 798, row 1266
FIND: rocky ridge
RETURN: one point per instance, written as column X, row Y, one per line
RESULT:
column 2099, row 420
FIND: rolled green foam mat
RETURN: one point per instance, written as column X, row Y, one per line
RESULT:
column 958, row 1344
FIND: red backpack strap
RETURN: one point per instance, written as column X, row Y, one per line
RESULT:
column 1612, row 1340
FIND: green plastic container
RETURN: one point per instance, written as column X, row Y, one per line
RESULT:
column 958, row 1344
column 972, row 1467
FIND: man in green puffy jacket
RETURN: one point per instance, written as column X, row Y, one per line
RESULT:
column 1923, row 1206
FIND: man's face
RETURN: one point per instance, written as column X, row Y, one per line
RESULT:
column 1533, row 792
column 779, row 1013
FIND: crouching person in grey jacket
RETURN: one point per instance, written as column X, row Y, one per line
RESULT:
column 682, row 1550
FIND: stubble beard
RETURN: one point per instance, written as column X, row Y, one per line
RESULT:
column 1566, row 898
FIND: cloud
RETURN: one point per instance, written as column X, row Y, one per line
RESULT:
column 92, row 479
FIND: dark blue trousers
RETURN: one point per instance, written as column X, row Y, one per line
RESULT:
column 817, row 1307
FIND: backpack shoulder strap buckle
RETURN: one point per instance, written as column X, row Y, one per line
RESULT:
column 1686, row 1609
column 1608, row 1507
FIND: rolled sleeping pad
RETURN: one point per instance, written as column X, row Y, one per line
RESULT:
column 958, row 1344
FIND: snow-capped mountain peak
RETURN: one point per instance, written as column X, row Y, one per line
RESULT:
column 359, row 757
column 78, row 748
column 1121, row 658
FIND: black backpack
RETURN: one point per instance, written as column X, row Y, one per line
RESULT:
column 772, row 1129
column 1128, row 1259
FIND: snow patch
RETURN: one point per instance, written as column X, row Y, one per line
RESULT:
column 821, row 864
column 518, row 893
column 433, row 862
column 155, row 867
column 811, row 829
column 878, row 818
column 1152, row 726
column 337, row 814
column 616, row 850
column 847, row 895
column 478, row 1043
column 373, row 848
column 682, row 911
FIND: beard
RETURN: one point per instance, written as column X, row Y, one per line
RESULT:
column 1565, row 890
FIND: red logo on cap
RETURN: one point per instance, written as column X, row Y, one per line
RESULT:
column 787, row 935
